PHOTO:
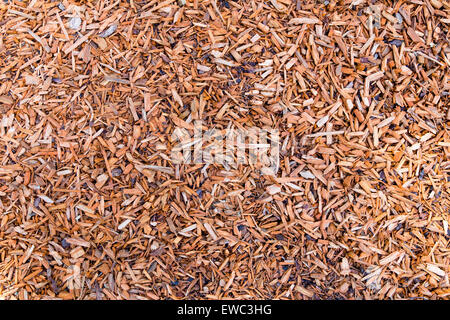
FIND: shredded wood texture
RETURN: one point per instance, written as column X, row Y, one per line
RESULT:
column 91, row 207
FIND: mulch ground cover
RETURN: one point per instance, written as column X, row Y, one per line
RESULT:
column 93, row 207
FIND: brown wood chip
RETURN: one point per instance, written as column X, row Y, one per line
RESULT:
column 93, row 95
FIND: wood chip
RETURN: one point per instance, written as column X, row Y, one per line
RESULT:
column 344, row 191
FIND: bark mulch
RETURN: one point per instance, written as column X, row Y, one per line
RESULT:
column 92, row 207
